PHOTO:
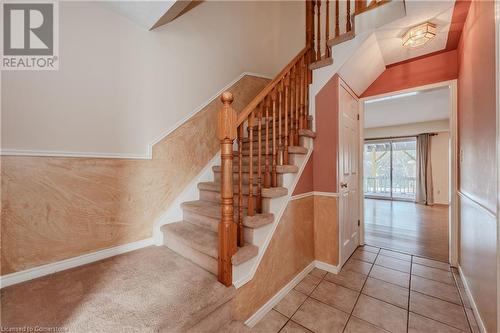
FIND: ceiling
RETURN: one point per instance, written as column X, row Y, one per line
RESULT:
column 421, row 106
column 417, row 12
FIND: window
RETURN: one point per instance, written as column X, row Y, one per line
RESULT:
column 390, row 168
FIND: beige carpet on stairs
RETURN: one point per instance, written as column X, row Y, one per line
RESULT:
column 148, row 290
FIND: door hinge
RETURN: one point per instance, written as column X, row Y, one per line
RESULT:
column 358, row 116
column 359, row 223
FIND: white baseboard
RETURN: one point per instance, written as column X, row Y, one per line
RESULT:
column 326, row 267
column 472, row 302
column 35, row 272
column 260, row 313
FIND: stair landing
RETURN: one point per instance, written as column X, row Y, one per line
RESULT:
column 148, row 290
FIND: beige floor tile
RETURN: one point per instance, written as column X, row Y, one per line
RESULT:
column 387, row 292
column 419, row 324
column 437, row 289
column 445, row 312
column 432, row 273
column 348, row 279
column 335, row 295
column 292, row 327
column 363, row 255
column 431, row 263
column 290, row 303
column 358, row 266
column 472, row 320
column 307, row 285
column 319, row 317
column 318, row 272
column 393, row 263
column 381, row 314
column 272, row 322
column 390, row 275
column 394, row 254
column 370, row 248
column 356, row 325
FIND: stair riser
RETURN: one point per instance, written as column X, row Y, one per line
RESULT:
column 217, row 178
column 201, row 259
column 215, row 197
column 235, row 190
column 214, row 321
column 246, row 160
column 201, row 220
column 248, row 234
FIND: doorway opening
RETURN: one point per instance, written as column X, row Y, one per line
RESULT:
column 409, row 171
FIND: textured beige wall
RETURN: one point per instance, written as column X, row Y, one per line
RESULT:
column 289, row 252
column 56, row 208
column 326, row 229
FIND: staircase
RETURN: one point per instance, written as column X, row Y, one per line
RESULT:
column 262, row 150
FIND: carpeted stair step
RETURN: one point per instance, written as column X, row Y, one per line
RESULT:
column 201, row 245
column 302, row 133
column 246, row 168
column 291, row 150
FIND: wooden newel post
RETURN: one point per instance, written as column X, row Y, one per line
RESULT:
column 226, row 133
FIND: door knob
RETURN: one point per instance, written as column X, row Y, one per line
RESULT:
column 343, row 185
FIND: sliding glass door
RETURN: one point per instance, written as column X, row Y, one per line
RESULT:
column 390, row 168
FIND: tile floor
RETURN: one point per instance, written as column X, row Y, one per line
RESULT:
column 378, row 290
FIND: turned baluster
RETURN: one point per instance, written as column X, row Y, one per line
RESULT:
column 251, row 204
column 318, row 35
column 274, row 177
column 337, row 18
column 240, row 184
column 292, row 107
column 302, row 95
column 287, row 96
column 267, row 173
column 327, row 29
column 297, row 105
column 306, row 102
column 280, row 107
column 348, row 22
column 226, row 133
column 259, row 160
column 310, row 30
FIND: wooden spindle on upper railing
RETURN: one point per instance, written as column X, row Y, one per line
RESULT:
column 302, row 94
column 287, row 96
column 318, row 35
column 337, row 18
column 348, row 26
column 267, row 173
column 327, row 29
column 259, row 161
column 274, row 176
column 310, row 30
column 251, row 204
column 226, row 133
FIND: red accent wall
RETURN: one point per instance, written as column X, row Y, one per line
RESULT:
column 326, row 142
column 435, row 68
column 305, row 183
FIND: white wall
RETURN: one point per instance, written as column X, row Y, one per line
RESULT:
column 440, row 163
column 120, row 87
column 440, row 150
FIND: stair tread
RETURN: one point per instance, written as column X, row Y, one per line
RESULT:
column 258, row 220
column 297, row 150
column 198, row 238
column 307, row 132
column 272, row 192
column 321, row 63
column 256, row 137
column 246, row 168
column 244, row 254
column 206, row 208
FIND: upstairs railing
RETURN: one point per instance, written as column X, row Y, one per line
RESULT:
column 333, row 19
column 261, row 136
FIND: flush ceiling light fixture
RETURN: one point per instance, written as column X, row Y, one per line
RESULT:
column 419, row 35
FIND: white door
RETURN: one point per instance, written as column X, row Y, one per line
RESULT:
column 349, row 143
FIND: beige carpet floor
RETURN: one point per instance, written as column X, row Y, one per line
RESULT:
column 148, row 290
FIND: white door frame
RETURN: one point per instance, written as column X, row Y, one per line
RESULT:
column 453, row 215
column 497, row 56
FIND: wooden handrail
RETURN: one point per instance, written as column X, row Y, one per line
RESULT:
column 245, row 113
